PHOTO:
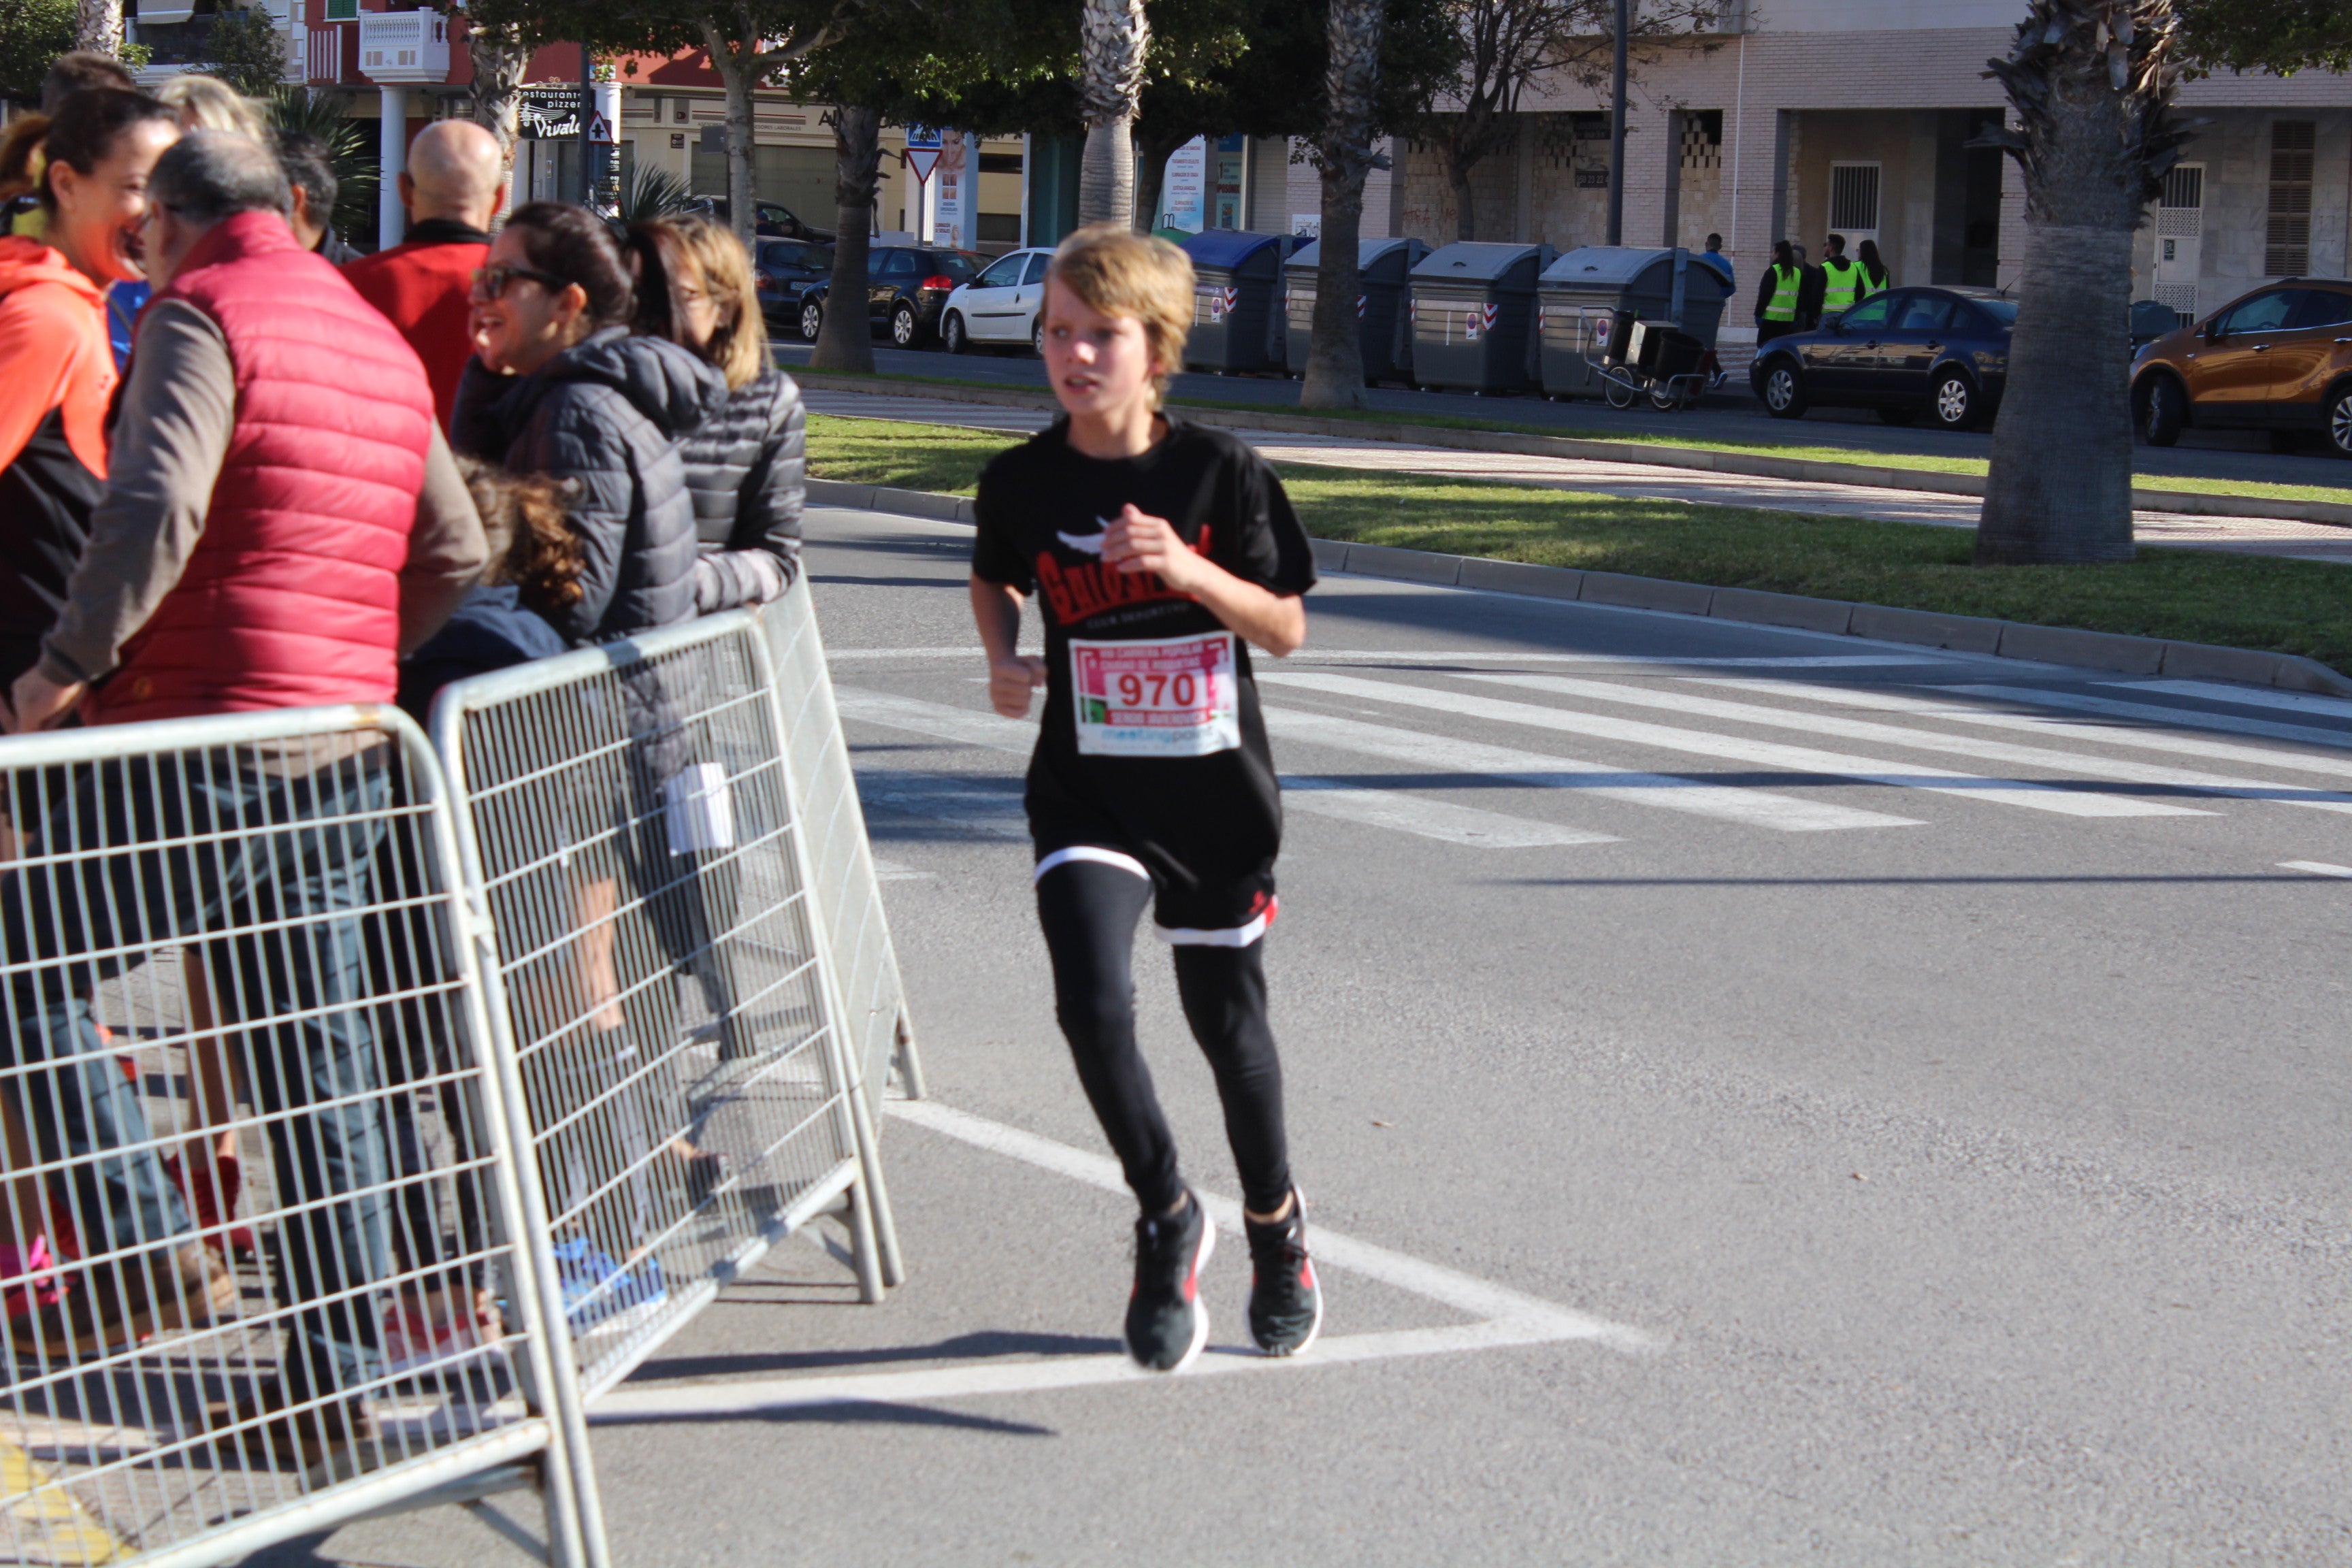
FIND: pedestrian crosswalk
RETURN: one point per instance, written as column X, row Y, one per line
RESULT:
column 1397, row 748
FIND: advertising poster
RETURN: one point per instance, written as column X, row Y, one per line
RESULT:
column 1181, row 193
column 950, row 221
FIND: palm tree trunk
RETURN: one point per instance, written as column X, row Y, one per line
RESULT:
column 502, row 56
column 2092, row 84
column 1343, row 156
column 846, row 341
column 2060, row 485
column 1111, row 40
column 98, row 28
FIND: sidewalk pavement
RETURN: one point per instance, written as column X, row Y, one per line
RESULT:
column 2252, row 536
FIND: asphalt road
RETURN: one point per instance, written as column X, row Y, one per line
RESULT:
column 2219, row 455
column 1776, row 1098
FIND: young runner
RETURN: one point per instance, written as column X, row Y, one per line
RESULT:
column 1157, row 550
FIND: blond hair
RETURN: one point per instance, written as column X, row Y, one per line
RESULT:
column 207, row 103
column 1111, row 269
column 740, row 346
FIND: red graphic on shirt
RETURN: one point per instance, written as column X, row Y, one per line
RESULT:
column 1083, row 592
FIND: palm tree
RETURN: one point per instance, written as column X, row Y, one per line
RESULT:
column 1112, row 36
column 501, row 53
column 1344, row 152
column 99, row 27
column 2090, row 83
column 321, row 116
column 845, row 340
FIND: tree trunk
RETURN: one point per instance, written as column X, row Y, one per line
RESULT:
column 2090, row 83
column 1343, row 156
column 98, row 28
column 1112, row 34
column 846, row 341
column 2059, row 485
column 736, row 70
column 1466, row 215
column 1151, row 154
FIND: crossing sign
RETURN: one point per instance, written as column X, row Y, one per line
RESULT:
column 922, row 154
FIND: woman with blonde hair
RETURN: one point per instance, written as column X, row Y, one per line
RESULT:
column 745, row 464
column 207, row 103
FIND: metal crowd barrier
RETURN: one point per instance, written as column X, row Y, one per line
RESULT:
column 880, row 1028
column 631, row 821
column 232, row 953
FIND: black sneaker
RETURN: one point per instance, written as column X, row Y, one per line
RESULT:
column 1286, row 1305
column 1166, row 1322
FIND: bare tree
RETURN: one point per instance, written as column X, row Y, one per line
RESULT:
column 99, row 27
column 1344, row 151
column 749, row 41
column 2092, row 84
column 1112, row 38
column 845, row 340
column 1509, row 45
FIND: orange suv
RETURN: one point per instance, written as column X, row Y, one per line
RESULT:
column 2279, row 360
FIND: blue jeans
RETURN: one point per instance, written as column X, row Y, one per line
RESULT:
column 299, row 989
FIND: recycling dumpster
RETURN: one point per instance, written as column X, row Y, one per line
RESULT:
column 1383, row 268
column 1473, row 314
column 1626, row 308
column 1236, row 319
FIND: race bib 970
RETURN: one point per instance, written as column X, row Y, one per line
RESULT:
column 1173, row 698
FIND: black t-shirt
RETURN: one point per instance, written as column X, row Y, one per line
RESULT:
column 1166, row 759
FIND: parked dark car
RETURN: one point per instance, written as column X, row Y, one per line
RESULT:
column 2277, row 360
column 906, row 287
column 773, row 219
column 1940, row 353
column 782, row 271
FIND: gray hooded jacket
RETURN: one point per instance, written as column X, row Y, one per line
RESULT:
column 608, row 412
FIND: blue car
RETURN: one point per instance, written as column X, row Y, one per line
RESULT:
column 1940, row 353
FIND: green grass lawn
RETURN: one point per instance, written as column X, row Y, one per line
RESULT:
column 1795, row 448
column 2239, row 600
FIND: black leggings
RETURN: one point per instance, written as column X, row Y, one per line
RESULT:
column 1089, row 911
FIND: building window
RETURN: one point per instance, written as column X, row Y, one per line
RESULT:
column 342, row 10
column 2288, row 253
column 1854, row 199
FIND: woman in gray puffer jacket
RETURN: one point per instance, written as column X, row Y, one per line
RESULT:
column 747, row 466
column 559, row 387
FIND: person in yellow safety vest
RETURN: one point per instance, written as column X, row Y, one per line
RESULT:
column 1776, row 302
column 1841, row 278
column 1875, row 276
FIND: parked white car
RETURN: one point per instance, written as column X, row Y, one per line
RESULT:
column 999, row 306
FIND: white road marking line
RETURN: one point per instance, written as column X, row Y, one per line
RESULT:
column 2079, row 762
column 891, row 871
column 1441, row 820
column 1768, row 753
column 2186, row 718
column 2244, row 696
column 1751, row 807
column 1505, row 1317
column 2044, row 724
column 2316, row 868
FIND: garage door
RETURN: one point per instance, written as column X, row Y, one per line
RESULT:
column 799, row 177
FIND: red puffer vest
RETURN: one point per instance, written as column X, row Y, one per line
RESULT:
column 291, row 596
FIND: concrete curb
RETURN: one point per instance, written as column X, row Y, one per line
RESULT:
column 1880, row 623
column 1753, row 465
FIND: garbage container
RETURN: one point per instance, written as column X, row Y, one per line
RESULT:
column 1236, row 322
column 1606, row 304
column 1474, row 311
column 1382, row 270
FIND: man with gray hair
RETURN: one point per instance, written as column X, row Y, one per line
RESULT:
column 282, row 520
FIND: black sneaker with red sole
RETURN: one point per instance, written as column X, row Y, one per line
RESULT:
column 1167, row 1325
column 1285, row 1304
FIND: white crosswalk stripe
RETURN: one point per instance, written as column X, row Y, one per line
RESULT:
column 2186, row 718
column 2044, row 724
column 1442, row 820
column 1442, row 755
column 2243, row 696
column 1768, row 753
column 2075, row 763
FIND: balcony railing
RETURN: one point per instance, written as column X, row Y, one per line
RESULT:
column 333, row 54
column 405, row 45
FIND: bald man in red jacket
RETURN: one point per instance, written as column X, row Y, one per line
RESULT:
column 453, row 187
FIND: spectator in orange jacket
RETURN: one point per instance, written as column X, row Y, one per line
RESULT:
column 453, row 187
column 57, row 370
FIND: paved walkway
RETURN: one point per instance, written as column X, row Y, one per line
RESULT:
column 2258, row 536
